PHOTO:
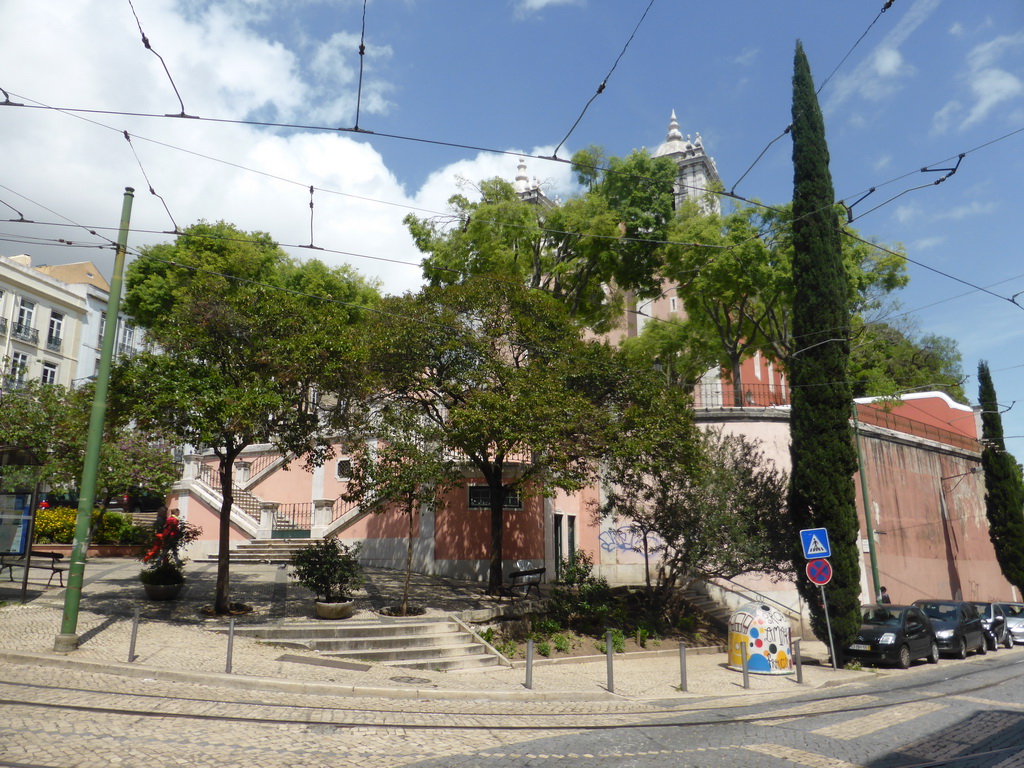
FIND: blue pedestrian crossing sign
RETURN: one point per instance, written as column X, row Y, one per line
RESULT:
column 815, row 543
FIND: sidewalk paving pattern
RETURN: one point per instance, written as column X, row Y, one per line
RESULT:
column 175, row 642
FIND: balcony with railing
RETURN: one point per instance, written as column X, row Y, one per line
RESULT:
column 3, row 326
column 53, row 343
column 25, row 332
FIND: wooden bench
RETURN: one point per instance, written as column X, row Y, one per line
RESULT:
column 525, row 580
column 49, row 561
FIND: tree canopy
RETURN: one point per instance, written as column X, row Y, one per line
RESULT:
column 505, row 381
column 248, row 337
column 584, row 252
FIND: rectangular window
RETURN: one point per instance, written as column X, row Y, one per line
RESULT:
column 343, row 469
column 128, row 335
column 19, row 367
column 480, row 498
column 49, row 373
column 673, row 304
column 26, row 312
column 53, row 334
column 103, row 328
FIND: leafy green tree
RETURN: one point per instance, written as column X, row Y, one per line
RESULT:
column 1004, row 491
column 886, row 360
column 607, row 238
column 713, row 501
column 52, row 421
column 735, row 277
column 247, row 338
column 502, row 376
column 396, row 462
column 821, row 491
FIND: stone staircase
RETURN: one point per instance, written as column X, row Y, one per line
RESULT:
column 438, row 644
column 266, row 550
column 718, row 613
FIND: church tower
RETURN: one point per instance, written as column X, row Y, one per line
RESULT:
column 697, row 171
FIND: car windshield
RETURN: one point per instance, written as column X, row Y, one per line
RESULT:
column 1014, row 609
column 882, row 617
column 985, row 609
column 939, row 611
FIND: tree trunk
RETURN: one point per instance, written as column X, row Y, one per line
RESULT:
column 495, row 576
column 222, row 601
column 408, row 559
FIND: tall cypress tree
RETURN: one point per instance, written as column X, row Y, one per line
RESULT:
column 1004, row 492
column 821, row 491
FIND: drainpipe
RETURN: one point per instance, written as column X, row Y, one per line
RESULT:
column 869, row 527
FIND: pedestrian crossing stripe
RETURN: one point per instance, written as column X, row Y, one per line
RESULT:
column 816, row 547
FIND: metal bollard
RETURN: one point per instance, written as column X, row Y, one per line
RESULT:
column 231, row 643
column 798, row 662
column 746, row 671
column 610, row 651
column 135, row 634
column 682, row 667
column 529, row 663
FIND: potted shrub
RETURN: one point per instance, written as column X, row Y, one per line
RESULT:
column 331, row 571
column 164, row 574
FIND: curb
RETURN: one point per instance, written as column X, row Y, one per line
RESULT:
column 242, row 682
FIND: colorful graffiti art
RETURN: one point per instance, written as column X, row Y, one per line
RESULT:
column 766, row 635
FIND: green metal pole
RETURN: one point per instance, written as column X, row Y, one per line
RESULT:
column 67, row 640
column 869, row 527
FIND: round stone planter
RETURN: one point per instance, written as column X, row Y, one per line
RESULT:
column 162, row 591
column 335, row 610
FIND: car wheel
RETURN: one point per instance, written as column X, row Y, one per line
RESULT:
column 1007, row 640
column 904, row 660
column 933, row 654
column 991, row 643
column 983, row 646
column 961, row 648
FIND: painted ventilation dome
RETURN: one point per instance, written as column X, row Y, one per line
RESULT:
column 766, row 635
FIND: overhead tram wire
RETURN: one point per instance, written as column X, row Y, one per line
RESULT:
column 149, row 184
column 359, row 91
column 604, row 83
column 885, row 7
column 145, row 42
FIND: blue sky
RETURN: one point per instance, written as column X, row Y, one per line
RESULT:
column 929, row 80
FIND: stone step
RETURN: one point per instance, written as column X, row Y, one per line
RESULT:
column 410, row 653
column 451, row 663
column 365, row 630
column 391, row 642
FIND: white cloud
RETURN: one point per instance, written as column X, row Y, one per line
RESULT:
column 78, row 169
column 989, row 85
column 882, row 162
column 747, row 57
column 971, row 209
column 531, row 6
column 880, row 74
column 957, row 29
column 927, row 243
column 907, row 213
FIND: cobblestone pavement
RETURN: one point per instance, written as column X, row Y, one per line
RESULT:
column 175, row 705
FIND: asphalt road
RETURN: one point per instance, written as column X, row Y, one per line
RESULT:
column 966, row 714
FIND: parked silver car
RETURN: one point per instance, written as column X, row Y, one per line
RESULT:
column 993, row 617
column 1014, row 620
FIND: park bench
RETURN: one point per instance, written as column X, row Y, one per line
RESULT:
column 49, row 561
column 524, row 579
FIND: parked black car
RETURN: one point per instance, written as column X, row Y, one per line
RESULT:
column 958, row 626
column 1014, row 621
column 993, row 618
column 894, row 634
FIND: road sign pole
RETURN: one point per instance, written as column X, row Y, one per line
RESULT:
column 828, row 623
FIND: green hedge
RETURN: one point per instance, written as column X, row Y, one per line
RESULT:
column 56, row 525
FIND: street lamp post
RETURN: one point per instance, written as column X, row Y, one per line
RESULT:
column 67, row 640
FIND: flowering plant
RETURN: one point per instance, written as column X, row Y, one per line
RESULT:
column 163, row 563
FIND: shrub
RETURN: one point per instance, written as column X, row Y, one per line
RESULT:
column 56, row 525
column 507, row 648
column 544, row 649
column 581, row 600
column 329, row 569
column 487, row 635
column 562, row 643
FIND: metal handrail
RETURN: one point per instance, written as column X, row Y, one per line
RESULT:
column 744, row 592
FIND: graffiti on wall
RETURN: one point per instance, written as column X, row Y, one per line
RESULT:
column 624, row 539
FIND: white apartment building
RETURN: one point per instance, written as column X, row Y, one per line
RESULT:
column 52, row 320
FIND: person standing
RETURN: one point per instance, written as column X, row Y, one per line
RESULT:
column 883, row 597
